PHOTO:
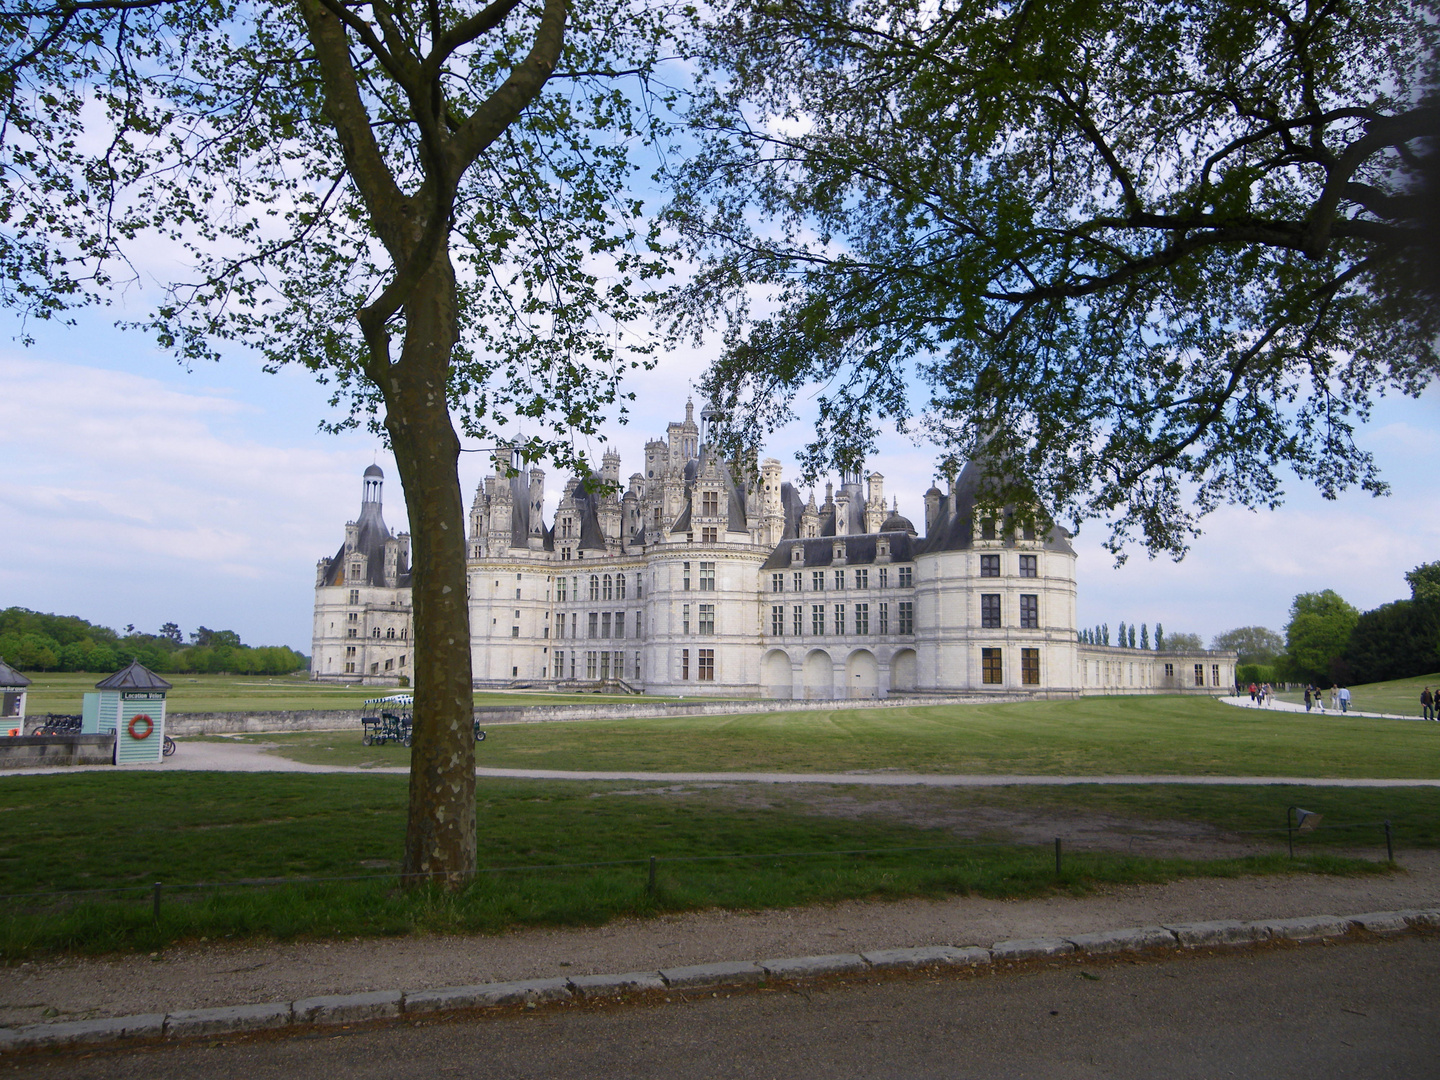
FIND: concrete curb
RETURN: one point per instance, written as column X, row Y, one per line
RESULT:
column 738, row 975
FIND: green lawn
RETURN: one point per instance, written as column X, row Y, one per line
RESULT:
column 61, row 692
column 1088, row 737
column 254, row 834
column 1400, row 697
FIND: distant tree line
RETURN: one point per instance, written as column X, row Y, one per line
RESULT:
column 1129, row 637
column 35, row 641
column 1328, row 641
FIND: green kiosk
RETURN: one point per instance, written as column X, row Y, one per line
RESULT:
column 130, row 703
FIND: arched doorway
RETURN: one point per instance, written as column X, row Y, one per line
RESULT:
column 902, row 670
column 819, row 675
column 862, row 674
column 776, row 675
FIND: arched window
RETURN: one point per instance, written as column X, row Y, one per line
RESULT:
column 375, row 632
column 609, row 589
column 390, row 633
column 619, row 586
column 594, row 586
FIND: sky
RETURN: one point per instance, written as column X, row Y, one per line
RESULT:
column 135, row 492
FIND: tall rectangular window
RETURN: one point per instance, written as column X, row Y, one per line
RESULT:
column 1029, row 611
column 862, row 577
column 990, row 610
column 777, row 582
column 590, row 665
column 619, row 624
column 710, row 503
column 990, row 669
column 620, row 587
column 884, row 577
column 1199, row 674
column 884, row 627
column 777, row 620
column 906, row 617
column 706, row 672
column 559, row 663
column 798, row 580
column 907, row 576
column 1214, row 674
column 839, row 579
column 685, row 618
column 987, row 528
column 604, row 666
column 862, row 618
column 817, row 620
column 797, row 614
column 707, row 577
column 605, row 624
column 685, row 576
column 989, row 565
column 594, row 586
column 1169, row 671
column 839, row 618
column 817, row 580
column 1029, row 566
column 560, row 589
column 609, row 587
column 1030, row 667
column 707, row 618
column 594, row 621
column 354, row 596
column 684, row 663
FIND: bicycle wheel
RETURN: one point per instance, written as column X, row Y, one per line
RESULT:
column 169, row 747
column 479, row 736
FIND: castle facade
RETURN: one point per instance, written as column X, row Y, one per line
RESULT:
column 692, row 579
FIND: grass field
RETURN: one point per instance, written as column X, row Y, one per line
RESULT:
column 253, row 833
column 1088, row 737
column 61, row 692
column 1400, row 697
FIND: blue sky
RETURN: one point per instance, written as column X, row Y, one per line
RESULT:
column 137, row 492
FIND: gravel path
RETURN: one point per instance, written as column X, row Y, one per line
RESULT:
column 210, row 974
column 257, row 757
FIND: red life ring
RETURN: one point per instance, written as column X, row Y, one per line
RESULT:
column 135, row 722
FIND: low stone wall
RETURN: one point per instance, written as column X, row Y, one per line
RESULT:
column 182, row 724
column 36, row 751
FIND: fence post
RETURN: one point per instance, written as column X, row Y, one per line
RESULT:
column 1057, row 856
column 1389, row 843
column 650, row 887
column 157, row 903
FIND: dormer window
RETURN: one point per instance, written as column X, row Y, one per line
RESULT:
column 882, row 548
column 987, row 528
column 710, row 504
column 797, row 554
column 838, row 552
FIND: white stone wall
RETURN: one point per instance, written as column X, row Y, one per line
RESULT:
column 362, row 633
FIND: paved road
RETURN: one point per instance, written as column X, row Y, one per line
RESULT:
column 1354, row 1010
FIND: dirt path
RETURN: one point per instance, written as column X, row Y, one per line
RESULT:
column 207, row 975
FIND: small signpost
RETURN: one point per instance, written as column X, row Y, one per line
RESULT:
column 130, row 703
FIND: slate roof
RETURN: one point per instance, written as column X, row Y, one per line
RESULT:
column 371, row 541
column 859, row 550
column 955, row 528
column 135, row 676
column 10, row 677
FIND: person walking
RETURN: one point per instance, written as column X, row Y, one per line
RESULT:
column 1427, row 704
column 1344, row 696
column 1309, row 702
column 1253, row 691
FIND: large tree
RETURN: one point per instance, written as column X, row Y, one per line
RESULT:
column 423, row 202
column 1147, row 257
column 1251, row 644
column 1318, row 635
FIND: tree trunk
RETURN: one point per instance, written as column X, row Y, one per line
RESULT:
column 440, row 831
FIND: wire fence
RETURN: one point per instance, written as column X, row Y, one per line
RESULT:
column 155, row 892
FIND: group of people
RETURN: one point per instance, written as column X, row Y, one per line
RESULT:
column 1339, row 698
column 1260, row 694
